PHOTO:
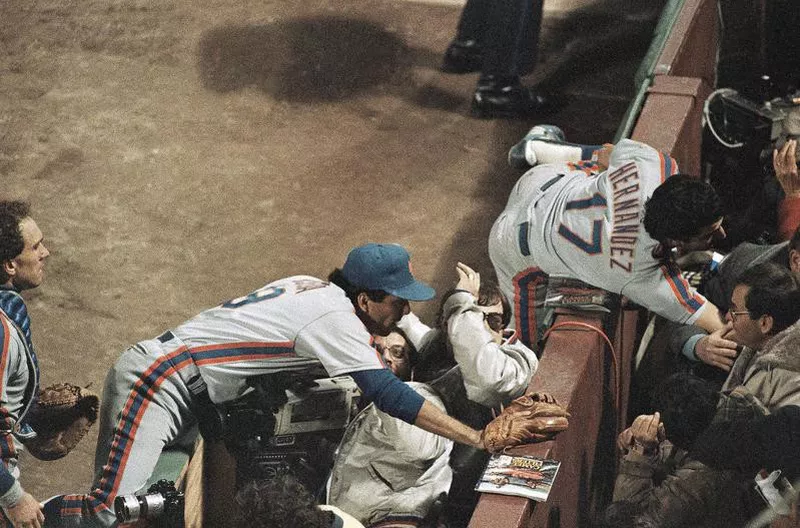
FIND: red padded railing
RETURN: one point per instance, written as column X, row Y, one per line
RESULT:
column 576, row 369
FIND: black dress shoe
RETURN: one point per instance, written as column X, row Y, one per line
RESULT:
column 462, row 56
column 507, row 99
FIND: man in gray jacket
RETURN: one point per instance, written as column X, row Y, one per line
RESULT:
column 385, row 469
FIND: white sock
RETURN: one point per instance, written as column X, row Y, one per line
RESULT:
column 537, row 152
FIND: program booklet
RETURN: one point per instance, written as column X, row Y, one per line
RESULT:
column 524, row 476
column 566, row 292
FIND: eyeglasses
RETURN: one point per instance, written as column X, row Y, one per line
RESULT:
column 734, row 313
column 397, row 352
column 495, row 321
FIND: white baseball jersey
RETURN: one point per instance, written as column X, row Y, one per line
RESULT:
column 286, row 325
column 569, row 220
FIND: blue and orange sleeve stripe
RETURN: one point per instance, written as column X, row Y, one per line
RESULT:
column 684, row 293
column 7, row 448
column 669, row 167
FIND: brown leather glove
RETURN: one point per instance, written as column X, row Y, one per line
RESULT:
column 528, row 422
column 61, row 418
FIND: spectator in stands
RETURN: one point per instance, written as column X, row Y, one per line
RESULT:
column 281, row 502
column 715, row 349
column 658, row 475
column 769, row 367
column 398, row 353
column 770, row 442
column 764, row 303
column 386, row 471
column 474, row 363
column 495, row 367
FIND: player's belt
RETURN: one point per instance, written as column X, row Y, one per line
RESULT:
column 189, row 373
column 204, row 409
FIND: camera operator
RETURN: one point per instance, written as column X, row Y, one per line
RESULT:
column 387, row 470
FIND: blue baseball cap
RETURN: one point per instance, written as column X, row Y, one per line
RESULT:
column 385, row 267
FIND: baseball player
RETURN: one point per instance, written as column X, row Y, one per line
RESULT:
column 290, row 325
column 22, row 254
column 614, row 222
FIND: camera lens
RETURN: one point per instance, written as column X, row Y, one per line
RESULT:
column 126, row 508
column 130, row 508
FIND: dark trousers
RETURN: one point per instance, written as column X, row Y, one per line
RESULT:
column 506, row 30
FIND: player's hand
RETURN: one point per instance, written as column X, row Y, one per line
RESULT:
column 468, row 279
column 645, row 432
column 603, row 155
column 625, row 440
column 785, row 164
column 26, row 513
column 717, row 349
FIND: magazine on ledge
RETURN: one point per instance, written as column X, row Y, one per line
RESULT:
column 521, row 475
column 566, row 292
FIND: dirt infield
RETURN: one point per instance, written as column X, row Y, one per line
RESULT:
column 178, row 154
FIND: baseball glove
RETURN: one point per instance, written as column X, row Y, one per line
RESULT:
column 528, row 401
column 536, row 421
column 61, row 417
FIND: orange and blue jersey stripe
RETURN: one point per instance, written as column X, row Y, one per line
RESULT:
column 690, row 299
column 6, row 337
column 588, row 167
column 7, row 448
column 525, row 283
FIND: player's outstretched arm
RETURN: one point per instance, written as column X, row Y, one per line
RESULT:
column 709, row 319
column 398, row 400
column 435, row 421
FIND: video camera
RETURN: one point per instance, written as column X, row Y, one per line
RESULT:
column 289, row 423
column 735, row 120
column 162, row 506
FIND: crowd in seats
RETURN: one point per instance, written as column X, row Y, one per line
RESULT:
column 750, row 372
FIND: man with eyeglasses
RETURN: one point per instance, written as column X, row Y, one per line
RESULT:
column 716, row 349
column 494, row 365
column 762, row 319
column 475, row 364
column 387, row 471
